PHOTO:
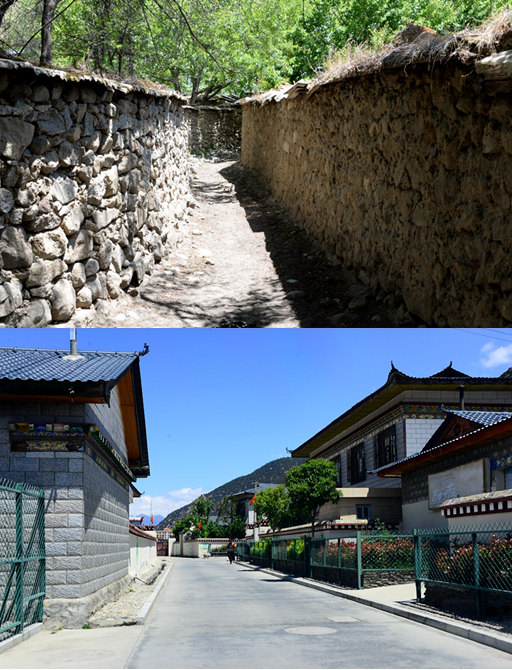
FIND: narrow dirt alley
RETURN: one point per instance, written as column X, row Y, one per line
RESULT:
column 244, row 263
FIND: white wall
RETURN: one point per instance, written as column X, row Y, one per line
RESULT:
column 142, row 553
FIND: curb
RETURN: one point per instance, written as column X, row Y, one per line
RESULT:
column 468, row 631
column 21, row 637
column 144, row 611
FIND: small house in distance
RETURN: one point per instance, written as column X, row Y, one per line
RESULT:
column 72, row 423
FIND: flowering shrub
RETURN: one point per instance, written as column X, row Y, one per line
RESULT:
column 384, row 554
column 494, row 560
column 295, row 550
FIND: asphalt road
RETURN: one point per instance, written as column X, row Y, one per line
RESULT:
column 211, row 614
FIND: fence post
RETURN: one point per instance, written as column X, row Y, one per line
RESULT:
column 417, row 563
column 359, row 560
column 308, row 568
column 42, row 552
column 271, row 553
column 339, row 561
column 19, row 558
column 476, row 570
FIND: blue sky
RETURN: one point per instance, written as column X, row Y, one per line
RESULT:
column 220, row 403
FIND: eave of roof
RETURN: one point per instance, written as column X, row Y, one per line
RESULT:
column 448, row 379
column 89, row 376
column 47, row 365
column 479, row 436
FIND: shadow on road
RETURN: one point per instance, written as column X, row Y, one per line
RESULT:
column 323, row 293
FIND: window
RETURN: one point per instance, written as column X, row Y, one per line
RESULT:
column 356, row 464
column 364, row 512
column 337, row 463
column 384, row 447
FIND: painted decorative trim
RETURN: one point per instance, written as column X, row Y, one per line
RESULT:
column 494, row 506
column 61, row 437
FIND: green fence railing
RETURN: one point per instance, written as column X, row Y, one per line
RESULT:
column 22, row 557
column 478, row 559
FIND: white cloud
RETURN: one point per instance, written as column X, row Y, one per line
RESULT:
column 164, row 504
column 495, row 356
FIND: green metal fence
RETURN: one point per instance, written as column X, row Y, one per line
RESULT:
column 477, row 560
column 337, row 560
column 22, row 557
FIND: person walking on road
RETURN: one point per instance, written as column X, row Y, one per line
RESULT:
column 231, row 552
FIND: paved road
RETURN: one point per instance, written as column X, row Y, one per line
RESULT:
column 211, row 614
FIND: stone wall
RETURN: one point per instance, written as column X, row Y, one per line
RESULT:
column 93, row 186
column 214, row 129
column 403, row 173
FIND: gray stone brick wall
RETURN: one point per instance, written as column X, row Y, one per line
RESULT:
column 86, row 520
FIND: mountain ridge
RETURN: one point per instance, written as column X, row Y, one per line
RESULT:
column 272, row 472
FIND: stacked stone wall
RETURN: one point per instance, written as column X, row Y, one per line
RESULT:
column 404, row 174
column 93, row 186
column 214, row 130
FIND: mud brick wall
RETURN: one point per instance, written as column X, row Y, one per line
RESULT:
column 405, row 175
column 93, row 187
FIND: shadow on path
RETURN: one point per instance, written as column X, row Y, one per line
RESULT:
column 322, row 292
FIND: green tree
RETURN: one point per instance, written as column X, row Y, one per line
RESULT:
column 229, row 513
column 274, row 505
column 311, row 485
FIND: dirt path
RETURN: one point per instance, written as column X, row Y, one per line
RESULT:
column 243, row 263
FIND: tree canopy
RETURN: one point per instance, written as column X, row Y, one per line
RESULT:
column 236, row 47
column 311, row 485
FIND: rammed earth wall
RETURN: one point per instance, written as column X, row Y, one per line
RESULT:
column 406, row 175
column 93, row 186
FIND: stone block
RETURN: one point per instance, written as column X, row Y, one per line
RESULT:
column 42, row 272
column 63, row 300
column 15, row 250
column 67, row 535
column 68, row 506
column 68, row 591
column 40, row 478
column 76, row 520
column 49, row 245
column 68, row 478
column 63, row 189
column 68, row 563
column 51, row 123
column 10, row 297
column 56, row 548
column 54, row 577
column 79, row 247
column 15, row 137
column 56, row 521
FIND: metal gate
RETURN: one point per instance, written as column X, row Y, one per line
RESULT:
column 22, row 557
column 162, row 547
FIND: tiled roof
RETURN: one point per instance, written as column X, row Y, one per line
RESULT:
column 492, row 418
column 57, row 365
column 483, row 418
column 447, row 379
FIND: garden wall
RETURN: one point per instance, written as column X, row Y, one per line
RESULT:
column 403, row 171
column 93, row 186
column 214, row 129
